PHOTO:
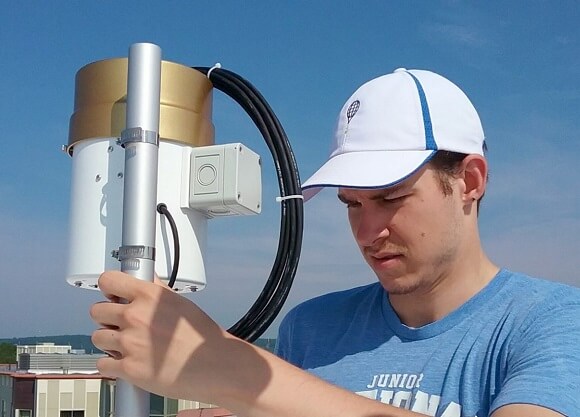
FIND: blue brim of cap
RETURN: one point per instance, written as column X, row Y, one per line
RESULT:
column 366, row 170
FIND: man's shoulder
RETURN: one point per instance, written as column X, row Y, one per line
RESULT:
column 540, row 290
column 538, row 300
column 336, row 307
column 540, row 353
column 340, row 300
column 319, row 323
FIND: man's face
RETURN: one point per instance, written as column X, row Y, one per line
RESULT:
column 409, row 234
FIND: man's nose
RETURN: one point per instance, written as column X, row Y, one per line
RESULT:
column 370, row 228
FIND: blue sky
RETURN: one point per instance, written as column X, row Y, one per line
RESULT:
column 518, row 61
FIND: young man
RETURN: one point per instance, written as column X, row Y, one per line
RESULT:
column 444, row 332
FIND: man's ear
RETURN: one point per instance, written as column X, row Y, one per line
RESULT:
column 474, row 177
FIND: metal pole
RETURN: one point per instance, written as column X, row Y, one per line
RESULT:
column 141, row 142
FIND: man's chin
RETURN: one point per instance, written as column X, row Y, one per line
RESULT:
column 401, row 285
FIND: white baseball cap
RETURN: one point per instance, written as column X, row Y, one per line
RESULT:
column 392, row 126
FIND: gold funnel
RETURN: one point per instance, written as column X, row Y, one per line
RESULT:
column 101, row 99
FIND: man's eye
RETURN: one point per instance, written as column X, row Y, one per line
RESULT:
column 349, row 203
column 392, row 200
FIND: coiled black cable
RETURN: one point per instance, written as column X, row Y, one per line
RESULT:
column 270, row 301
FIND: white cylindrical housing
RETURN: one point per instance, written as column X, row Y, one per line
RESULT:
column 96, row 213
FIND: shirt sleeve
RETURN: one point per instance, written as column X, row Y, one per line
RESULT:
column 544, row 358
column 283, row 342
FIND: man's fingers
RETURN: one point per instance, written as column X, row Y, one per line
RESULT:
column 117, row 285
column 108, row 314
column 109, row 366
column 108, row 341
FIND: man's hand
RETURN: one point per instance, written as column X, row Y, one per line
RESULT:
column 163, row 343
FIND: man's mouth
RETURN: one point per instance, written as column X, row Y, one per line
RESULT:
column 384, row 260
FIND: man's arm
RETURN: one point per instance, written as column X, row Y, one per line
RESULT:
column 164, row 344
column 524, row 410
column 291, row 392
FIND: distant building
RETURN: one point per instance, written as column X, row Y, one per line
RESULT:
column 57, row 381
column 60, row 363
column 54, row 381
column 80, row 395
column 44, row 347
column 53, row 395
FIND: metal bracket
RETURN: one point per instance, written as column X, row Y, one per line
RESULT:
column 134, row 252
column 136, row 134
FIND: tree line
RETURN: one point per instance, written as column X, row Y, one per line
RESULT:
column 7, row 353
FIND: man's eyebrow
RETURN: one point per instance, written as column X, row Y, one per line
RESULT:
column 387, row 192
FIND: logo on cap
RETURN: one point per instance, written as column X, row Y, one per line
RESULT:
column 350, row 112
column 352, row 109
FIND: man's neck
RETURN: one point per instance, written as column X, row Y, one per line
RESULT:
column 448, row 292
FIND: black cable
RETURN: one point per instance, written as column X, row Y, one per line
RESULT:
column 277, row 287
column 162, row 209
column 275, row 293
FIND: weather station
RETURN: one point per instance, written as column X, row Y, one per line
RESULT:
column 147, row 176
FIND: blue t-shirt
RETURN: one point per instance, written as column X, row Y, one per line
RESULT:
column 516, row 341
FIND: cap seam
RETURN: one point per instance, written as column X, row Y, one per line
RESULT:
column 430, row 142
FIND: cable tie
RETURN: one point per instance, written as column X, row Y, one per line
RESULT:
column 290, row 197
column 217, row 65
